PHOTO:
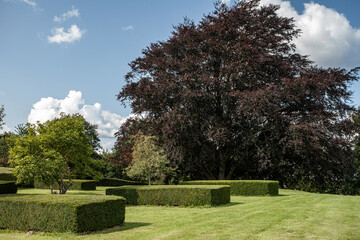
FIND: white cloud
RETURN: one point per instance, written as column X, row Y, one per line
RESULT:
column 327, row 36
column 4, row 129
column 74, row 12
column 128, row 28
column 50, row 108
column 226, row 2
column 60, row 36
column 30, row 2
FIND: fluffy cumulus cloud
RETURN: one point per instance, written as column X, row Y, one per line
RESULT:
column 74, row 12
column 49, row 108
column 60, row 36
column 327, row 36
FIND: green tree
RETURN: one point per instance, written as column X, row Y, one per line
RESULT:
column 2, row 115
column 4, row 148
column 149, row 160
column 352, row 185
column 21, row 129
column 53, row 152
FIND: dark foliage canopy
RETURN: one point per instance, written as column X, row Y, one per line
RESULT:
column 230, row 97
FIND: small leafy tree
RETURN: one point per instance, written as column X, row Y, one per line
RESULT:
column 148, row 159
column 53, row 152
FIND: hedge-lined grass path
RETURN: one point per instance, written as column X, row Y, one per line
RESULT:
column 292, row 215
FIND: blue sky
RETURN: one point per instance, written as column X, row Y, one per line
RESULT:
column 72, row 56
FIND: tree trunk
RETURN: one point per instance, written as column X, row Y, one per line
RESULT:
column 222, row 166
column 229, row 175
column 51, row 189
column 63, row 187
column 208, row 174
column 149, row 177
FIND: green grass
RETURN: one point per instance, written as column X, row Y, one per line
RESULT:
column 292, row 215
column 5, row 170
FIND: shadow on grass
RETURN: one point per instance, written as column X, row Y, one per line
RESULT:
column 230, row 204
column 126, row 226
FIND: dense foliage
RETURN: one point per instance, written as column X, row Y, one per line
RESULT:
column 116, row 182
column 4, row 148
column 53, row 151
column 231, row 98
column 2, row 115
column 148, row 160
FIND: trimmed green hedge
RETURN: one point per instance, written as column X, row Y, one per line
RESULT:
column 7, row 187
column 77, row 184
column 243, row 187
column 116, row 182
column 5, row 174
column 174, row 195
column 61, row 213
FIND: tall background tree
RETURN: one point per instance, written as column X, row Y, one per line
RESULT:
column 2, row 115
column 4, row 149
column 230, row 97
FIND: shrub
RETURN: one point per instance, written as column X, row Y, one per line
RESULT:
column 174, row 195
column 61, row 213
column 116, row 182
column 7, row 187
column 77, row 184
column 243, row 187
column 5, row 174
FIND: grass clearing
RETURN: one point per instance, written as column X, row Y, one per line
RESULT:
column 292, row 215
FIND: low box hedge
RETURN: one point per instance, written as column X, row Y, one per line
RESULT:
column 243, row 187
column 116, row 182
column 173, row 195
column 61, row 213
column 7, row 187
column 5, row 174
column 77, row 184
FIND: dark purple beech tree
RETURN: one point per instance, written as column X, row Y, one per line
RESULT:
column 230, row 97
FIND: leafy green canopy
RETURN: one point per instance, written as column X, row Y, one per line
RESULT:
column 53, row 151
column 149, row 160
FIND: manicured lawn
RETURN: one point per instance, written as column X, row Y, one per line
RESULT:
column 292, row 215
column 5, row 170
